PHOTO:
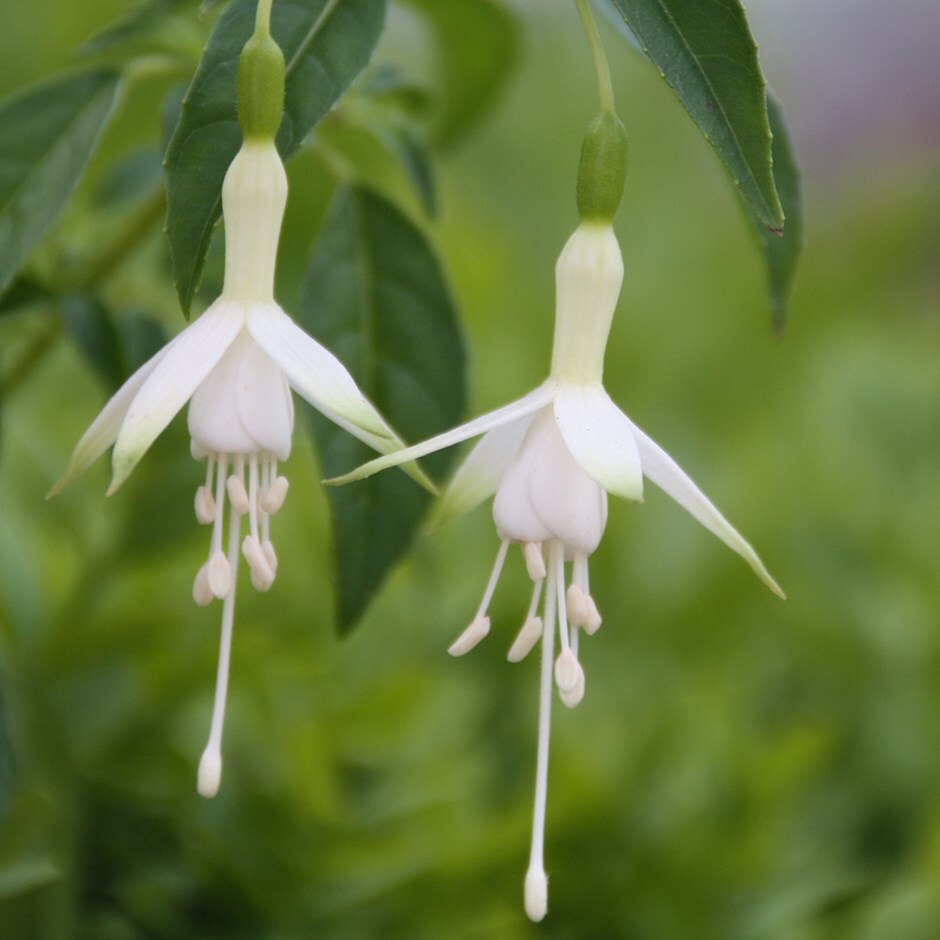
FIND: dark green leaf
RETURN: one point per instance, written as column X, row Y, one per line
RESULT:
column 411, row 150
column 47, row 134
column 114, row 349
column 123, row 182
column 326, row 43
column 477, row 43
column 706, row 53
column 22, row 293
column 374, row 294
column 90, row 325
column 781, row 252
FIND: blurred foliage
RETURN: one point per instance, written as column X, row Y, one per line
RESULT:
column 740, row 768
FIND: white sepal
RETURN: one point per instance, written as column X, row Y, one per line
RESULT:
column 178, row 373
column 600, row 438
column 477, row 478
column 519, row 408
column 659, row 467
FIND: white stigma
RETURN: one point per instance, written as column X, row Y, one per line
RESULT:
column 536, row 894
column 210, row 771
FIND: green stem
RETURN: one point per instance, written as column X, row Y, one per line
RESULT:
column 605, row 87
column 263, row 18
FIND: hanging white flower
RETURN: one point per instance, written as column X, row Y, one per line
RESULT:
column 236, row 366
column 551, row 458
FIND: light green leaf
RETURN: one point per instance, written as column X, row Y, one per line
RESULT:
column 781, row 252
column 326, row 43
column 706, row 53
column 388, row 156
column 47, row 134
column 477, row 45
column 374, row 293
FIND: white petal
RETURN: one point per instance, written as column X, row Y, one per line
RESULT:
column 600, row 438
column 186, row 362
column 319, row 377
column 104, row 429
column 520, row 408
column 545, row 494
column 478, row 476
column 669, row 477
column 244, row 404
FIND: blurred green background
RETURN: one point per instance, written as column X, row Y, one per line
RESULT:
column 740, row 768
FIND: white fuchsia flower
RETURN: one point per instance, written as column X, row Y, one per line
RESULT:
column 550, row 458
column 236, row 366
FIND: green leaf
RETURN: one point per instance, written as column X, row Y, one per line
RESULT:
column 374, row 293
column 22, row 293
column 90, row 325
column 477, row 44
column 7, row 756
column 781, row 252
column 152, row 27
column 389, row 156
column 47, row 134
column 706, row 53
column 326, row 43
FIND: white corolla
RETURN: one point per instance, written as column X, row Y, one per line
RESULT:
column 236, row 366
column 551, row 458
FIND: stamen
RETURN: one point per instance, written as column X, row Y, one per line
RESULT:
column 477, row 630
column 592, row 619
column 253, row 496
column 274, row 495
column 268, row 548
column 210, row 765
column 262, row 575
column 574, row 697
column 202, row 593
column 531, row 630
column 220, row 576
column 215, row 544
column 205, row 506
column 237, row 496
column 557, row 551
column 536, row 881
column 577, row 610
column 568, row 671
column 534, row 561
column 494, row 578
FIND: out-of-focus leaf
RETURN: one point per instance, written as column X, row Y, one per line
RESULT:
column 152, row 27
column 374, row 293
column 90, row 325
column 326, row 43
column 114, row 347
column 141, row 337
column 781, row 252
column 138, row 172
column 390, row 158
column 477, row 43
column 388, row 84
column 7, row 761
column 23, row 292
column 47, row 134
column 706, row 53
column 27, row 875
